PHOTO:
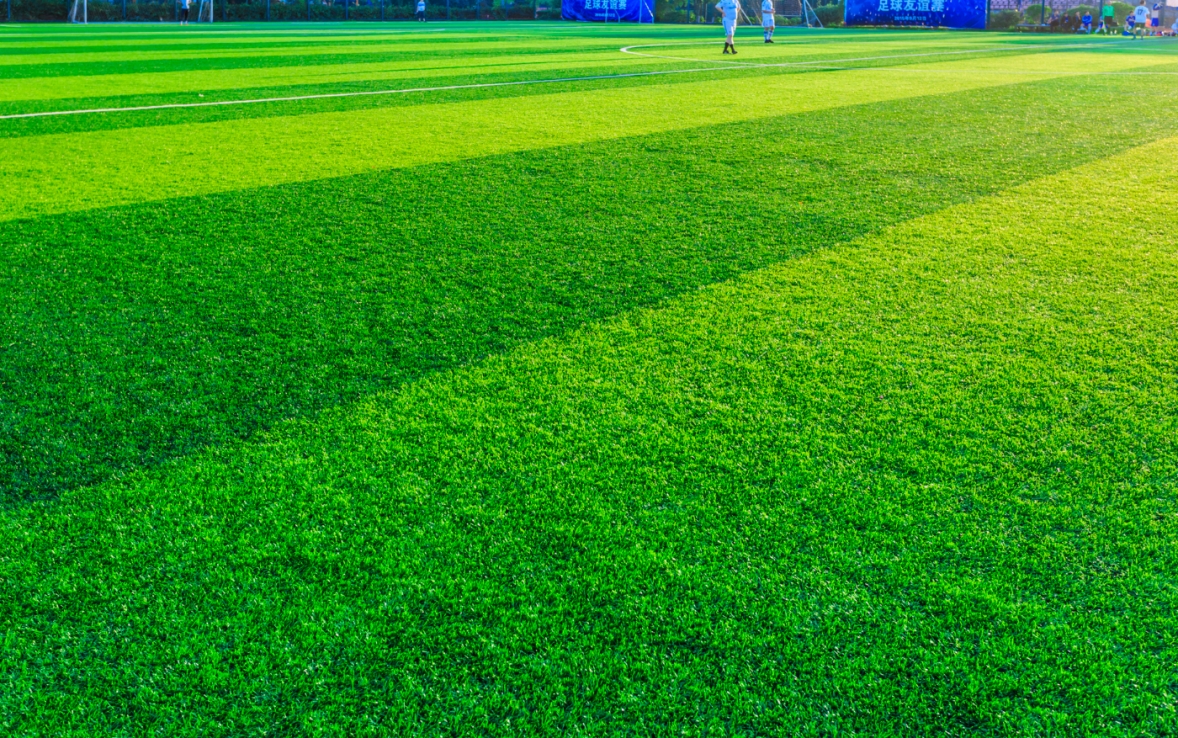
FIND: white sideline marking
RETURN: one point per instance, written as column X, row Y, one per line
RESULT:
column 401, row 91
column 816, row 64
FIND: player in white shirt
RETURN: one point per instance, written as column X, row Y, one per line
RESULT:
column 767, row 23
column 728, row 10
column 1140, row 19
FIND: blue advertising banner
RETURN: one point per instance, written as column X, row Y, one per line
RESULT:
column 608, row 11
column 942, row 13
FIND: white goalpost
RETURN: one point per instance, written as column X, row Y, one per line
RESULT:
column 204, row 13
column 73, row 16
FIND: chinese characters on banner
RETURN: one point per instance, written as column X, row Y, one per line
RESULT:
column 609, row 11
column 943, row 13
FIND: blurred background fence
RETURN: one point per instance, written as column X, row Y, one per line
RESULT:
column 22, row 11
column 1013, row 15
column 666, row 11
column 1061, row 16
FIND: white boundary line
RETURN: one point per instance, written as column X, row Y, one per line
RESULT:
column 816, row 64
column 364, row 93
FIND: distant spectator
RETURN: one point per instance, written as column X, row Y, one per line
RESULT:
column 421, row 10
column 1086, row 22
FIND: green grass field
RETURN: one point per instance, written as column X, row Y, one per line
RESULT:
column 583, row 381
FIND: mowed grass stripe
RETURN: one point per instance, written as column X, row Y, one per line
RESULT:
column 920, row 484
column 143, row 333
column 115, row 167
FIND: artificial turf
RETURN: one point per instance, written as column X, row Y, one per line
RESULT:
column 760, row 401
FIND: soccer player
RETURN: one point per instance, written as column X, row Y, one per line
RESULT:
column 1155, row 20
column 184, row 12
column 1140, row 19
column 768, row 25
column 421, row 10
column 1086, row 22
column 728, row 10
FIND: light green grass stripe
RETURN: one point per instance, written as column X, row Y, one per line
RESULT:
column 781, row 503
column 76, row 171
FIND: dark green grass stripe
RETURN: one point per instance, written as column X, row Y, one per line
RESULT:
column 139, row 334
